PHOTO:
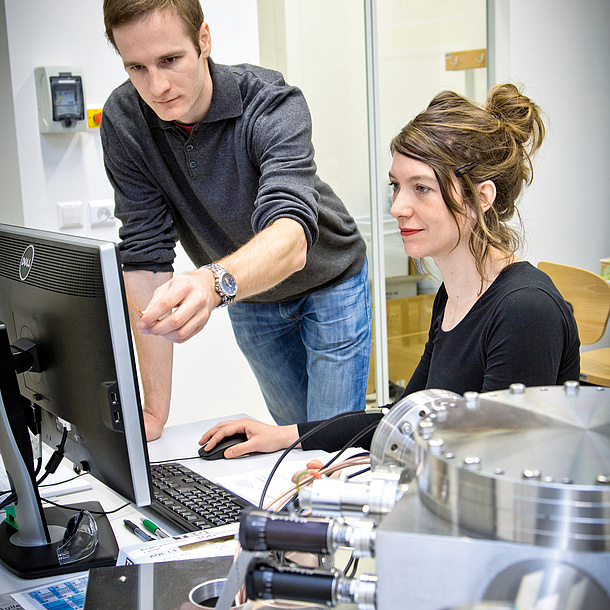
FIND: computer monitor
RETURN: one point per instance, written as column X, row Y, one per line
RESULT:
column 66, row 355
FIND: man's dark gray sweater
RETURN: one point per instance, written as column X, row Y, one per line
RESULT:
column 249, row 162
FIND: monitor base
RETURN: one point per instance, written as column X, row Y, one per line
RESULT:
column 40, row 561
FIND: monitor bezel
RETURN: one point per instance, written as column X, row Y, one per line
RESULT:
column 122, row 347
column 36, row 531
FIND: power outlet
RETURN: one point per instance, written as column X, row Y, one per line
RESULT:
column 101, row 213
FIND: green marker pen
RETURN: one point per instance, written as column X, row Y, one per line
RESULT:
column 154, row 528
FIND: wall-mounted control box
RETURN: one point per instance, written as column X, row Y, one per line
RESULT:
column 61, row 99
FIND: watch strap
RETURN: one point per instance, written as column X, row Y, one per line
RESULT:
column 219, row 271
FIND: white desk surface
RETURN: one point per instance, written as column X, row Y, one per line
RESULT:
column 176, row 443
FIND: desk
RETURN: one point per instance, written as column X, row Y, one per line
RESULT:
column 176, row 443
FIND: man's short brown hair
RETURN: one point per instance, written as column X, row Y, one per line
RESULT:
column 122, row 12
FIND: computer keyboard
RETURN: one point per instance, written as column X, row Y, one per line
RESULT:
column 191, row 501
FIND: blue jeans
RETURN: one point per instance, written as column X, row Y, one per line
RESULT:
column 311, row 355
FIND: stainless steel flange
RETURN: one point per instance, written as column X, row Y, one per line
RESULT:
column 528, row 465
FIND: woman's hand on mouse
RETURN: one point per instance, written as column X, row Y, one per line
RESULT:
column 262, row 438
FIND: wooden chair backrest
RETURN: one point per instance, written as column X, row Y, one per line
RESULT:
column 587, row 293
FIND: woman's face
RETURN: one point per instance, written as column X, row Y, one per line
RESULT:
column 426, row 225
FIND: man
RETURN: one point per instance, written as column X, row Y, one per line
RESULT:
column 221, row 158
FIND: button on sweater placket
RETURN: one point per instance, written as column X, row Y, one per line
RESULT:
column 191, row 163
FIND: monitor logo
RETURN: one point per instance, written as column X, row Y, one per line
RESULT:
column 25, row 264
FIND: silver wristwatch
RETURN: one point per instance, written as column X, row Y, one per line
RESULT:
column 225, row 283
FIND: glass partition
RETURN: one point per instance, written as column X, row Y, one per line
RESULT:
column 343, row 53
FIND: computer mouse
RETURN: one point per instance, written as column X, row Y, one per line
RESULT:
column 217, row 452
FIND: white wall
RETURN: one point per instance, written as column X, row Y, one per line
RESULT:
column 48, row 169
column 559, row 51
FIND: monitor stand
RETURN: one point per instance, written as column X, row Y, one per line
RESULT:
column 40, row 561
column 31, row 550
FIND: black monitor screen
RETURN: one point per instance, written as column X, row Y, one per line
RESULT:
column 65, row 295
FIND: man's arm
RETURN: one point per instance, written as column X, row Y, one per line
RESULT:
column 155, row 357
column 181, row 308
column 268, row 258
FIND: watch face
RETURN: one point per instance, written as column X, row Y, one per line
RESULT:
column 228, row 284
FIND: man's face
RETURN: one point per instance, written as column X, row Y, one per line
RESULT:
column 165, row 67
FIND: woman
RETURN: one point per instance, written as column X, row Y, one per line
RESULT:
column 456, row 174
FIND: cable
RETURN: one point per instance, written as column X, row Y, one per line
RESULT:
column 308, row 478
column 349, row 563
column 76, row 476
column 355, row 474
column 93, row 512
column 327, row 466
column 50, row 468
column 354, row 568
column 56, row 457
column 305, row 436
column 353, row 441
column 8, row 501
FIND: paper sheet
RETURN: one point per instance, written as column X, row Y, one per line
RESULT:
column 250, row 485
column 65, row 594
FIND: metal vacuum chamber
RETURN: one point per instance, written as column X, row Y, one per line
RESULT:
column 509, row 505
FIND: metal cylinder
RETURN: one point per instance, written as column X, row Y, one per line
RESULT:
column 265, row 531
column 393, row 439
column 367, row 499
column 523, row 465
column 330, row 588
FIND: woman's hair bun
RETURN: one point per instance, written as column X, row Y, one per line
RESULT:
column 518, row 113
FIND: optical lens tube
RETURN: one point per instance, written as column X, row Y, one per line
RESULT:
column 262, row 531
column 266, row 581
